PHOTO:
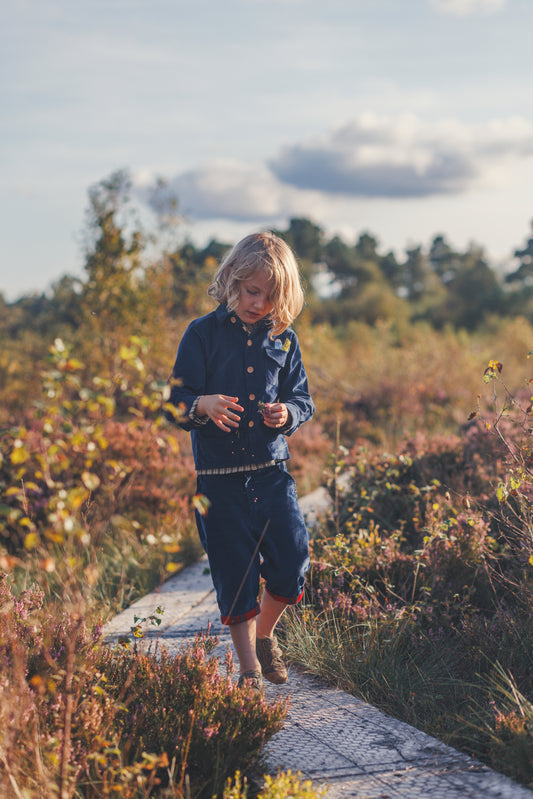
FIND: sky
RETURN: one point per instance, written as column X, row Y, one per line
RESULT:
column 403, row 118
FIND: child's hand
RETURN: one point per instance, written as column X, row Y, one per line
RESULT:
column 221, row 410
column 275, row 414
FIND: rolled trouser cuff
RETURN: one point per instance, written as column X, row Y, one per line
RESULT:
column 286, row 600
column 243, row 617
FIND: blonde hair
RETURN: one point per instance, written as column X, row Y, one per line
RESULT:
column 271, row 255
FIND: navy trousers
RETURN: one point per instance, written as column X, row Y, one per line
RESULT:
column 253, row 528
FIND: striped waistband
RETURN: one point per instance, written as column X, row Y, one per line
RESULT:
column 251, row 467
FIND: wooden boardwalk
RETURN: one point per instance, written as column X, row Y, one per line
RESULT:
column 329, row 736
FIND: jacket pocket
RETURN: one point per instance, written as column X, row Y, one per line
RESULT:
column 275, row 361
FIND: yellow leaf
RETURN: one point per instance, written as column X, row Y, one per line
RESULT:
column 201, row 503
column 19, row 454
column 172, row 567
column 173, row 444
column 178, row 412
column 56, row 538
column 73, row 364
column 501, row 493
column 31, row 541
column 171, row 548
column 127, row 353
column 76, row 497
column 531, row 560
column 108, row 403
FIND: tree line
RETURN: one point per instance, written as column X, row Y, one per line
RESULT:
column 132, row 276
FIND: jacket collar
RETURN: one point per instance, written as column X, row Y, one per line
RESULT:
column 223, row 314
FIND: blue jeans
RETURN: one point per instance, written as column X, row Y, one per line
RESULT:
column 254, row 528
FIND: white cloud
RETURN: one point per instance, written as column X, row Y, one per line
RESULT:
column 376, row 157
column 379, row 156
column 233, row 190
column 463, row 8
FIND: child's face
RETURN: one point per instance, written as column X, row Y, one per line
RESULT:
column 254, row 298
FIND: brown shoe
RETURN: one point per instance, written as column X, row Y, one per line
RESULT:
column 269, row 656
column 251, row 679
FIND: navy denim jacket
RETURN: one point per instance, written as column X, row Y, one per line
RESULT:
column 217, row 356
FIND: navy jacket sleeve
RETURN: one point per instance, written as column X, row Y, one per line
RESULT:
column 187, row 381
column 294, row 389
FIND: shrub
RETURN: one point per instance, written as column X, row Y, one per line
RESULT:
column 420, row 588
column 80, row 718
column 81, row 485
column 184, row 706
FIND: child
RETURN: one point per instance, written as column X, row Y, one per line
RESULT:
column 240, row 387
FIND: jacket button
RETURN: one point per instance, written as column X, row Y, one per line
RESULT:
column 249, row 342
column 233, row 320
column 250, row 424
column 251, row 396
column 250, row 369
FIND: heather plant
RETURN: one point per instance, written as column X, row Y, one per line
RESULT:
column 51, row 702
column 310, row 452
column 184, row 706
column 96, row 505
column 420, row 588
column 83, row 719
column 94, row 492
column 420, row 591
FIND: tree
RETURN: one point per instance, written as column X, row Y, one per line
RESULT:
column 341, row 261
column 523, row 274
column 472, row 292
column 391, row 271
column 191, row 273
column 112, row 296
column 443, row 259
column 415, row 271
column 353, row 267
column 305, row 238
column 366, row 247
